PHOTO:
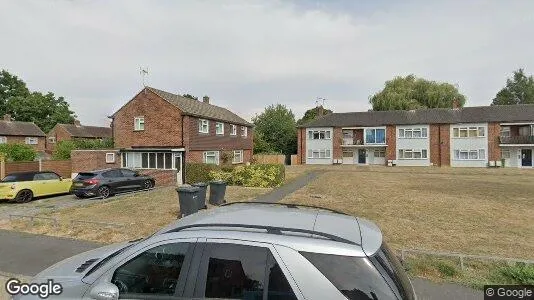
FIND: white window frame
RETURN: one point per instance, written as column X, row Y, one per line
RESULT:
column 457, row 132
column 319, row 153
column 319, row 135
column 139, row 123
column 468, row 154
column 31, row 140
column 506, row 131
column 233, row 130
column 110, row 158
column 52, row 139
column 3, row 140
column 506, row 154
column 421, row 153
column 137, row 157
column 219, row 125
column 203, row 126
column 381, row 153
column 402, row 133
column 375, row 129
column 244, row 131
column 239, row 154
column 215, row 154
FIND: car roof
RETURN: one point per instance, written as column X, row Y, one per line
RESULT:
column 314, row 222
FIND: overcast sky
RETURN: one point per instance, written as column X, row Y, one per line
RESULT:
column 248, row 54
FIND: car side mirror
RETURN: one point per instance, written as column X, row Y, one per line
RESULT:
column 60, row 178
column 104, row 291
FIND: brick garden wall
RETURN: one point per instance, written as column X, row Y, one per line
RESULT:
column 88, row 160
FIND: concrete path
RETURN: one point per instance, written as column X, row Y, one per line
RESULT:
column 286, row 189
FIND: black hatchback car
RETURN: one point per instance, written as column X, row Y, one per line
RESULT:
column 104, row 183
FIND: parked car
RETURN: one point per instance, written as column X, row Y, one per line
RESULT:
column 242, row 251
column 104, row 183
column 25, row 186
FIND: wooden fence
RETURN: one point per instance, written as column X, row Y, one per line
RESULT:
column 61, row 167
column 269, row 158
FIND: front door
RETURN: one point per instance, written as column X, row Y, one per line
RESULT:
column 526, row 157
column 361, row 156
column 178, row 167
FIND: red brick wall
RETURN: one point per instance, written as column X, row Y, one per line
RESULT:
column 391, row 140
column 60, row 134
column 163, row 123
column 445, row 144
column 162, row 177
column 40, row 147
column 357, row 135
column 337, row 140
column 211, row 141
column 88, row 160
column 300, row 148
column 494, row 151
column 435, row 145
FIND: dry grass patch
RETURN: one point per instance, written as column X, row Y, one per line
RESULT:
column 457, row 210
column 142, row 214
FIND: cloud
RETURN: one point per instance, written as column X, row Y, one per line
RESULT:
column 248, row 54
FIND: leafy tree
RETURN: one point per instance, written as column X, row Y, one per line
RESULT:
column 518, row 90
column 64, row 148
column 10, row 86
column 410, row 92
column 312, row 113
column 277, row 128
column 260, row 145
column 190, row 96
column 18, row 152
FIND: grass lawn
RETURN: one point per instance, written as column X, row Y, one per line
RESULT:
column 143, row 213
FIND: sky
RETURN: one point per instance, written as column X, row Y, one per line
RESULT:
column 248, row 54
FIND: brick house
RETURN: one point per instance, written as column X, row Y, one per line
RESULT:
column 158, row 131
column 458, row 137
column 65, row 132
column 16, row 132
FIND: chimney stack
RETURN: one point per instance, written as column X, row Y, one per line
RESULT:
column 7, row 117
column 206, row 99
column 455, row 104
column 320, row 111
column 77, row 123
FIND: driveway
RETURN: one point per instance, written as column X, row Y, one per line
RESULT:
column 41, row 205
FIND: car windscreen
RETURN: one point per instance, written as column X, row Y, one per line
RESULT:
column 354, row 277
column 84, row 176
column 18, row 177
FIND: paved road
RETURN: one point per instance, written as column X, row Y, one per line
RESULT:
column 281, row 192
column 27, row 254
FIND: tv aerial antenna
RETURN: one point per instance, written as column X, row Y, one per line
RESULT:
column 144, row 73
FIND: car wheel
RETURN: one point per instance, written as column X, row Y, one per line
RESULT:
column 24, row 196
column 147, row 184
column 104, row 192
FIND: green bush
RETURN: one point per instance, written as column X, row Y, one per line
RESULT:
column 446, row 269
column 64, row 148
column 519, row 273
column 268, row 175
column 195, row 172
column 18, row 152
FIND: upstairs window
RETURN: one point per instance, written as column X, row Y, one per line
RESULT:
column 219, row 128
column 52, row 139
column 233, row 129
column 203, row 126
column 413, row 133
column 32, row 141
column 319, row 134
column 375, row 136
column 244, row 131
column 505, row 131
column 465, row 132
column 139, row 123
column 3, row 139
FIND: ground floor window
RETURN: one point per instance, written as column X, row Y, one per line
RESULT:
column 211, row 157
column 380, row 153
column 473, row 154
column 147, row 160
column 320, row 153
column 238, row 157
column 413, row 154
column 505, row 153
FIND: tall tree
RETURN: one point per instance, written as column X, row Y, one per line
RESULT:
column 190, row 96
column 10, row 86
column 277, row 127
column 313, row 113
column 410, row 92
column 518, row 90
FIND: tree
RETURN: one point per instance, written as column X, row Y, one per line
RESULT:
column 410, row 92
column 190, row 96
column 260, row 145
column 10, row 86
column 277, row 128
column 312, row 113
column 18, row 152
column 64, row 148
column 518, row 90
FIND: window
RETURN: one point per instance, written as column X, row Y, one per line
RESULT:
column 413, row 154
column 242, row 272
column 233, row 129
column 505, row 131
column 473, row 154
column 110, row 158
column 524, row 130
column 505, row 153
column 375, row 136
column 219, row 128
column 203, row 126
column 3, row 139
column 413, row 133
column 146, row 160
column 155, row 271
column 139, row 123
column 354, row 277
column 319, row 134
column 321, row 153
column 128, row 173
column 31, row 140
column 113, row 173
column 52, row 139
column 211, row 157
column 46, row 176
column 243, row 131
column 238, row 157
column 380, row 153
column 464, row 132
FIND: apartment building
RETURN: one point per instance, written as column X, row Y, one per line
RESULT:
column 458, row 137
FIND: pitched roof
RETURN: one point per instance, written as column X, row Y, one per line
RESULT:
column 475, row 114
column 87, row 131
column 200, row 109
column 20, row 128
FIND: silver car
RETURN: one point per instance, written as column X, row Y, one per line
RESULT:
column 242, row 251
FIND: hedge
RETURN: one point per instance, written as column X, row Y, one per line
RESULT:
column 18, row 152
column 265, row 175
column 195, row 172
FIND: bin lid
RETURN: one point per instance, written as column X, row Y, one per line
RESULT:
column 187, row 189
column 218, row 182
column 200, row 184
